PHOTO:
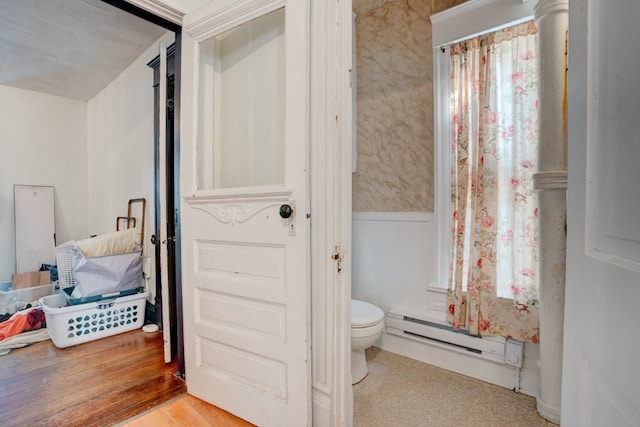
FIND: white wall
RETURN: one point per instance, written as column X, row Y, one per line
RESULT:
column 97, row 154
column 120, row 141
column 43, row 143
column 120, row 150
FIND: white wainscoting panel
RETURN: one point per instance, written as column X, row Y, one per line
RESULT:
column 393, row 251
column 394, row 256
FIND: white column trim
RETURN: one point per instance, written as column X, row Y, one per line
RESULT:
column 552, row 20
column 547, row 7
column 555, row 180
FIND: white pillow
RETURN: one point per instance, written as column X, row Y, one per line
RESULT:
column 113, row 243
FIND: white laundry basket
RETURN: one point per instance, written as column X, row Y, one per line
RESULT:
column 77, row 324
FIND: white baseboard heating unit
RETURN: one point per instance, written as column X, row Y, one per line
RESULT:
column 497, row 349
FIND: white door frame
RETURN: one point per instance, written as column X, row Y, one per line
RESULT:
column 331, row 125
column 330, row 164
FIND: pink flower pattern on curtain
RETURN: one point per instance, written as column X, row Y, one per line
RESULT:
column 493, row 287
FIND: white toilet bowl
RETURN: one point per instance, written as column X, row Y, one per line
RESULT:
column 367, row 324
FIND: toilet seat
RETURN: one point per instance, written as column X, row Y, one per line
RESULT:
column 365, row 315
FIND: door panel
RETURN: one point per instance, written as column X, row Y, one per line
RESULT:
column 245, row 268
column 600, row 381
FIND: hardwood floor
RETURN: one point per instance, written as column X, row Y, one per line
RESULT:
column 99, row 383
column 187, row 411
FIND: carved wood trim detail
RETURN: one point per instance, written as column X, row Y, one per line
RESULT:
column 231, row 208
column 234, row 213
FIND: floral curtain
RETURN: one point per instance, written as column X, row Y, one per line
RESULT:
column 493, row 287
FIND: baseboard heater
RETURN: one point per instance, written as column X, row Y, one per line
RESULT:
column 496, row 349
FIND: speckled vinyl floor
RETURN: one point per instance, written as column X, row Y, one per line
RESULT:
column 404, row 392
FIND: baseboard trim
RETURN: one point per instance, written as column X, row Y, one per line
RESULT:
column 321, row 402
column 484, row 370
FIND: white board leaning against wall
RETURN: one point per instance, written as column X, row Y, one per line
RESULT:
column 35, row 226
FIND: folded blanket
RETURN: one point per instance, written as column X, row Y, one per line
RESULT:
column 22, row 340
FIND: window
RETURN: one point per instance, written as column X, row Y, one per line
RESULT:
column 487, row 198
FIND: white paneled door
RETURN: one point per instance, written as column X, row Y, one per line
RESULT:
column 244, row 148
column 601, row 345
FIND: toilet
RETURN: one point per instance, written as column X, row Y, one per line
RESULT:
column 367, row 324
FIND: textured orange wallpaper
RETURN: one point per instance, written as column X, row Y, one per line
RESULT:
column 394, row 105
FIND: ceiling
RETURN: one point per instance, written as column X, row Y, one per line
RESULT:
column 71, row 48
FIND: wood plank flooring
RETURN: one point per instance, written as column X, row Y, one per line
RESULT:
column 187, row 411
column 99, row 383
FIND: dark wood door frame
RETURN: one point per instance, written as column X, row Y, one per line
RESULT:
column 141, row 13
column 171, row 207
column 173, row 190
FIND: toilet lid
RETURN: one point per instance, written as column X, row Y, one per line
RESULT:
column 364, row 314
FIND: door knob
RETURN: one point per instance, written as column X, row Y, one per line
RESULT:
column 153, row 239
column 285, row 211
